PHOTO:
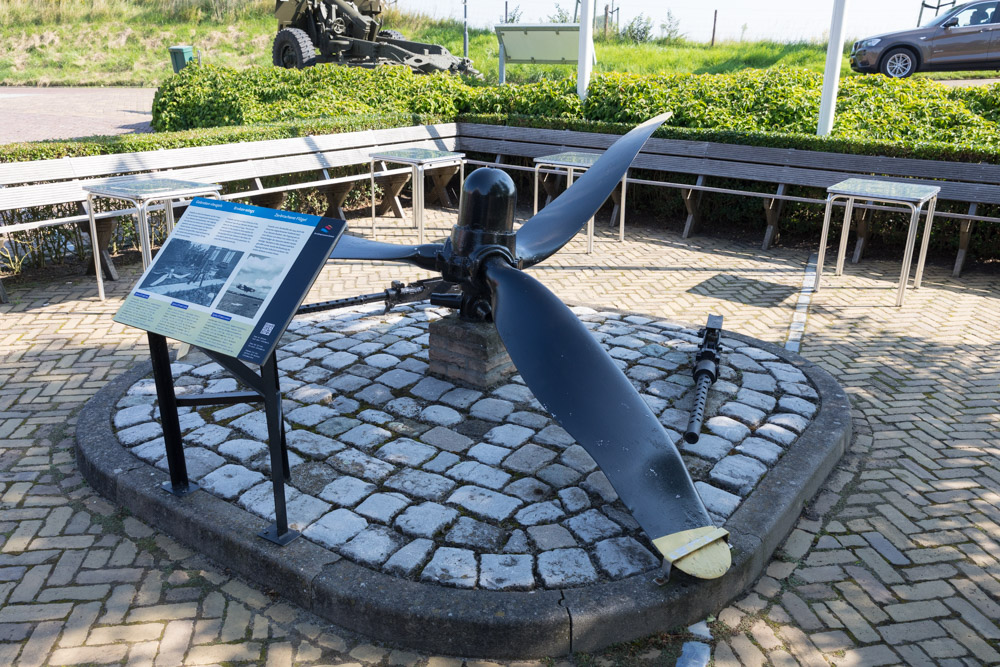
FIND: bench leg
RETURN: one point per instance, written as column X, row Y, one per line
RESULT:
column 336, row 195
column 392, row 186
column 864, row 227
column 964, row 234
column 772, row 209
column 692, row 200
column 439, row 185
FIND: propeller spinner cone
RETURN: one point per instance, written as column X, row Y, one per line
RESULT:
column 485, row 213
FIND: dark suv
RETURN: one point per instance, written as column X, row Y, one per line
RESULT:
column 966, row 37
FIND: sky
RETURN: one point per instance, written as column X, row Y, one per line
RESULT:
column 780, row 20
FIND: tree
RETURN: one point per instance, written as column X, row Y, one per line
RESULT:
column 560, row 16
column 671, row 29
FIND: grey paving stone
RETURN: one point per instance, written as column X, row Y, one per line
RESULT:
column 666, row 390
column 402, row 348
column 727, row 428
column 551, row 536
column 528, row 459
column 674, row 419
column 488, row 454
column 532, row 420
column 620, row 516
column 446, row 439
column 347, row 383
column 365, row 436
column 441, row 415
column 375, row 394
column 592, row 526
column 785, row 372
column 597, row 483
column 382, row 361
column 405, row 451
column 517, row 543
column 528, row 489
column 760, row 382
column 311, row 445
column 209, row 435
column 242, row 450
column 467, row 532
column 372, row 546
column 358, row 464
column 347, row 491
column 491, row 409
column 743, row 362
column 200, row 462
column 229, row 481
column 554, row 435
column 576, row 457
column 451, row 567
column 442, row 462
column 517, row 393
column 431, row 389
column 508, row 435
column 338, row 360
column 799, row 389
column 140, row 433
column 408, row 559
column 131, row 416
column 303, row 510
column 780, row 435
column 479, row 474
column 558, row 475
column 365, row 348
column 231, row 411
column 716, row 500
column 420, row 484
column 312, row 393
column 151, row 451
column 461, row 398
column 737, row 473
column 334, row 427
column 710, row 447
column 382, row 507
column 485, row 503
column 426, row 519
column 574, row 499
column 335, row 528
column 797, row 405
column 760, row 449
column 565, row 567
column 506, row 572
column 756, row 399
column 543, row 512
column 403, row 407
column 623, row 557
column 752, row 417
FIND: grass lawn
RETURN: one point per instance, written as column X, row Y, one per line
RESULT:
column 124, row 43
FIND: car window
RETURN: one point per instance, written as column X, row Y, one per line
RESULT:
column 980, row 13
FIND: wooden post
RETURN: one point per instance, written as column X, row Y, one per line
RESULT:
column 606, row 17
column 715, row 19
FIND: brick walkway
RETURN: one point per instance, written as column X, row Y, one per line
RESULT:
column 36, row 114
column 896, row 561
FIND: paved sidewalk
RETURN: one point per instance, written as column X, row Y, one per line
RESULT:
column 896, row 562
column 36, row 114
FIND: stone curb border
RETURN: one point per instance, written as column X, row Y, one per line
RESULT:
column 477, row 623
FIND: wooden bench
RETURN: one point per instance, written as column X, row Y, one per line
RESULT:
column 239, row 168
column 973, row 185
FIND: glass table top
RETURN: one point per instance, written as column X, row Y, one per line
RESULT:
column 891, row 190
column 416, row 155
column 569, row 159
column 150, row 188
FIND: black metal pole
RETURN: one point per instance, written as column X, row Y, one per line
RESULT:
column 179, row 484
column 277, row 532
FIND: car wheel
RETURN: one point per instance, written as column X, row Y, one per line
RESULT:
column 293, row 49
column 899, row 63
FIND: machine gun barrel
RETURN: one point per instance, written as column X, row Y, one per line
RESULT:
column 706, row 370
column 396, row 294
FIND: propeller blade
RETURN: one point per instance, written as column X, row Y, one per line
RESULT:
column 560, row 221
column 355, row 247
column 574, row 378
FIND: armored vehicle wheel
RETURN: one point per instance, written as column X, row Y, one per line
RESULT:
column 391, row 34
column 293, row 49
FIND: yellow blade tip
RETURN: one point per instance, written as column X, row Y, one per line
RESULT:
column 700, row 552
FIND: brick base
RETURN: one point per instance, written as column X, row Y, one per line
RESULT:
column 468, row 352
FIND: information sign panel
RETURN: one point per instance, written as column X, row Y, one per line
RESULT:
column 231, row 276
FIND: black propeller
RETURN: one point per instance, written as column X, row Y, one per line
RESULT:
column 561, row 362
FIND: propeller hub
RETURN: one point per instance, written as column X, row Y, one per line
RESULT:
column 485, row 213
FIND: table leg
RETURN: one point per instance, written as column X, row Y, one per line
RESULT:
column 168, row 212
column 461, row 180
column 94, row 247
column 534, row 208
column 822, row 242
column 621, row 211
column 147, row 249
column 848, row 213
column 371, row 171
column 418, row 201
column 926, row 242
column 911, row 239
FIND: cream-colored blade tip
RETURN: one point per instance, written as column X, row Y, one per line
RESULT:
column 701, row 552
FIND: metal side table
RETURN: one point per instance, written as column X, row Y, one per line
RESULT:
column 420, row 160
column 572, row 161
column 142, row 193
column 912, row 196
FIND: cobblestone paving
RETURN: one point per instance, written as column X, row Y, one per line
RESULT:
column 895, row 562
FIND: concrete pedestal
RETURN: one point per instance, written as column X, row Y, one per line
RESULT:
column 468, row 352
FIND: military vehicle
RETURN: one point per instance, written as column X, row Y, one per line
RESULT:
column 349, row 33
